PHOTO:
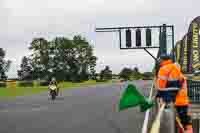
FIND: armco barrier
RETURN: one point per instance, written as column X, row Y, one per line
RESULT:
column 11, row 83
column 194, row 91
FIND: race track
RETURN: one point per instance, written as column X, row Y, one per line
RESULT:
column 81, row 110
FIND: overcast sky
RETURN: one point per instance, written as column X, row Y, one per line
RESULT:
column 22, row 20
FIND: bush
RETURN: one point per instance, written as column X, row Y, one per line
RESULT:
column 43, row 83
column 76, row 81
column 147, row 76
column 3, row 84
column 26, row 84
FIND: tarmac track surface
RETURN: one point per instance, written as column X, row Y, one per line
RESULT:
column 81, row 110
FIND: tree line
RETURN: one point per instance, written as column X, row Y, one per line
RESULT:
column 125, row 74
column 63, row 58
column 134, row 74
column 66, row 60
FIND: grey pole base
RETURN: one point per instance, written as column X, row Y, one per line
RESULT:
column 168, row 120
column 196, row 125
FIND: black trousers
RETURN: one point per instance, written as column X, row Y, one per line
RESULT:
column 167, row 96
column 183, row 115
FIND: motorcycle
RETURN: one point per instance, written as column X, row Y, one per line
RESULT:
column 53, row 91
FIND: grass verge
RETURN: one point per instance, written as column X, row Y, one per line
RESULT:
column 22, row 91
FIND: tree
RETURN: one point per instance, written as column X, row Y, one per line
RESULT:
column 126, row 73
column 136, row 70
column 77, row 57
column 62, row 58
column 25, row 73
column 106, row 74
column 84, row 56
column 93, row 60
column 83, row 52
column 136, row 73
column 4, row 65
column 40, row 57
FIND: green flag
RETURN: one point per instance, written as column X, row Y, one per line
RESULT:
column 146, row 105
column 132, row 98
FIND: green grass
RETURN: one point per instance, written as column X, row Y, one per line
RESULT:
column 67, row 85
column 22, row 91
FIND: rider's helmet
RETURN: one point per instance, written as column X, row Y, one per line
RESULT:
column 53, row 79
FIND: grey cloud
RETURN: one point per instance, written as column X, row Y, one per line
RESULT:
column 19, row 26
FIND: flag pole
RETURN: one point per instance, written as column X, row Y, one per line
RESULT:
column 145, row 124
column 179, row 123
column 156, row 124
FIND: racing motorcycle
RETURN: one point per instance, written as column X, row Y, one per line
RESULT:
column 53, row 91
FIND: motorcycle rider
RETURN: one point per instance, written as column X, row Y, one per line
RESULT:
column 54, row 82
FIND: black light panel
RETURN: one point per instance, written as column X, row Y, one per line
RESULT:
column 128, row 38
column 138, row 37
column 148, row 37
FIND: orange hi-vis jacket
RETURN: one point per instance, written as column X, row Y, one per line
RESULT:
column 182, row 98
column 168, row 76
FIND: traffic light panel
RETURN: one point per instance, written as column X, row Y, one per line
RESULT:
column 148, row 37
column 138, row 37
column 128, row 38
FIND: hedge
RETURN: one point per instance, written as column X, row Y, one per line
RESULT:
column 43, row 83
column 26, row 84
column 3, row 84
